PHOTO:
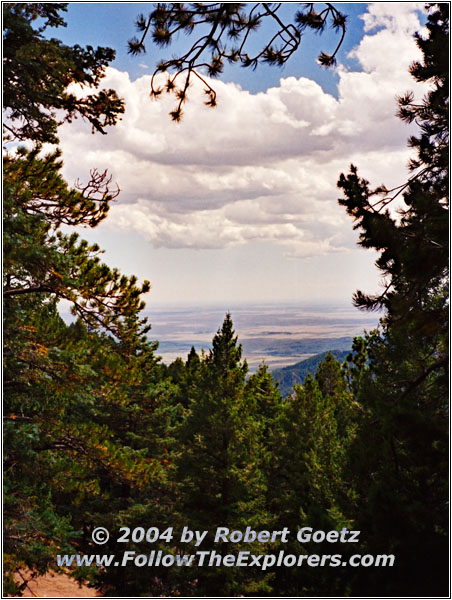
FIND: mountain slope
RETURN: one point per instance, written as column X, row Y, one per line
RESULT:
column 293, row 374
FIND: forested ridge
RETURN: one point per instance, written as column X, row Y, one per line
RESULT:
column 98, row 432
column 287, row 377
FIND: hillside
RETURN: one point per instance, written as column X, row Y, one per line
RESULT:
column 293, row 374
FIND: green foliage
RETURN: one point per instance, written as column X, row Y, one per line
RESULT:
column 79, row 406
column 77, row 398
column 218, row 468
column 307, row 477
column 414, row 246
column 403, row 391
column 288, row 377
column 40, row 259
column 266, row 398
column 33, row 110
column 68, row 445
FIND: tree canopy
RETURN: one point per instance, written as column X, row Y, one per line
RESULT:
column 71, row 390
column 404, row 392
column 38, row 71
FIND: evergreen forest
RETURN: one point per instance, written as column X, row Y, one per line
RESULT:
column 99, row 432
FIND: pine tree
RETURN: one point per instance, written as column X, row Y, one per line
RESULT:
column 37, row 72
column 264, row 393
column 218, row 468
column 307, row 486
column 80, row 400
column 86, row 412
column 403, row 436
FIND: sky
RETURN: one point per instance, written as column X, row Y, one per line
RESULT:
column 238, row 204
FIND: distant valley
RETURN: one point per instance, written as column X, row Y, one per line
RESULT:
column 277, row 335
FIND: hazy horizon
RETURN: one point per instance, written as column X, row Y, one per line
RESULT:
column 276, row 334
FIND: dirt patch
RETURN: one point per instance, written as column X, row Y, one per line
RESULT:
column 57, row 585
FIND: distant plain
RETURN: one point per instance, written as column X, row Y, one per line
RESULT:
column 275, row 334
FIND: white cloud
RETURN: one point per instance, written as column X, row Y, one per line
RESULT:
column 259, row 167
column 394, row 16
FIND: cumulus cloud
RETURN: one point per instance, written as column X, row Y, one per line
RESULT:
column 259, row 167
